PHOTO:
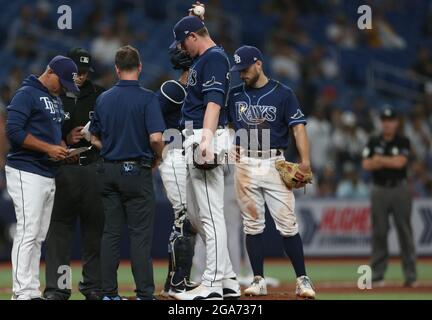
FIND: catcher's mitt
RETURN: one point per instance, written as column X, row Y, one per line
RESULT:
column 292, row 176
column 205, row 165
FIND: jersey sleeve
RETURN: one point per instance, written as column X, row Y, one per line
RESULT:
column 215, row 76
column 19, row 111
column 293, row 112
column 153, row 116
column 95, row 121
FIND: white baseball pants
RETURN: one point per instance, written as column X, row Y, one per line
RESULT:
column 205, row 199
column 257, row 183
column 173, row 174
column 33, row 198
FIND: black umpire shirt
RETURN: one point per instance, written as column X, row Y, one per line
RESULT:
column 378, row 146
column 79, row 110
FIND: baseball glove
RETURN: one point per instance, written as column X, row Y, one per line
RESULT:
column 292, row 176
column 205, row 165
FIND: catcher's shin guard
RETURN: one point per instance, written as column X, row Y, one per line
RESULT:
column 182, row 242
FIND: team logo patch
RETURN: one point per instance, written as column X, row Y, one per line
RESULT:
column 211, row 82
column 49, row 105
column 67, row 116
column 255, row 114
column 84, row 59
column 297, row 115
column 237, row 58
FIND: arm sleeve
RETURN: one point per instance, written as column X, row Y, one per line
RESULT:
column 95, row 121
column 293, row 112
column 153, row 116
column 19, row 112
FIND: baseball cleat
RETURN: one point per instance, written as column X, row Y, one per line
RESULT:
column 304, row 288
column 201, row 292
column 270, row 281
column 231, row 289
column 183, row 286
column 258, row 287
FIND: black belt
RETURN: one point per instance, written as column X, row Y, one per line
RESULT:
column 82, row 161
column 390, row 183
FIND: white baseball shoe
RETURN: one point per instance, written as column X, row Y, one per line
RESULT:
column 258, row 287
column 201, row 292
column 304, row 288
column 231, row 289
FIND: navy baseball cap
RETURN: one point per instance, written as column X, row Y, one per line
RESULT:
column 246, row 56
column 388, row 112
column 184, row 27
column 66, row 70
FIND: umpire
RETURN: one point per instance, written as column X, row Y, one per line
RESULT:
column 76, row 196
column 386, row 156
column 127, row 126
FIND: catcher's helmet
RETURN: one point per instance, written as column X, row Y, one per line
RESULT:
column 180, row 59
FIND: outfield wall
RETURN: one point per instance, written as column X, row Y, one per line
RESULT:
column 328, row 228
column 343, row 228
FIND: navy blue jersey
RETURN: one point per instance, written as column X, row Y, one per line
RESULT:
column 124, row 118
column 208, row 75
column 274, row 107
column 33, row 110
column 171, row 97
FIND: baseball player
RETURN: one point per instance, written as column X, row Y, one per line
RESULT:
column 33, row 127
column 264, row 106
column 204, row 118
column 172, row 169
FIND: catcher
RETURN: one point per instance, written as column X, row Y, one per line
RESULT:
column 266, row 110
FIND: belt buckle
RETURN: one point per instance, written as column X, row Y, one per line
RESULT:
column 80, row 160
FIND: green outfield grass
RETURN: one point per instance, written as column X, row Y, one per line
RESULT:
column 323, row 273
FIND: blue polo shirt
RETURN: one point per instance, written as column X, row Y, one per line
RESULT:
column 125, row 117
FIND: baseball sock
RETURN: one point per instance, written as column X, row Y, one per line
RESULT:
column 294, row 249
column 255, row 249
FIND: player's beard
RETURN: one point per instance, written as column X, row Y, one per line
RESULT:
column 251, row 82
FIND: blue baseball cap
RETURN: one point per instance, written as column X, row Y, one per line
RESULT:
column 66, row 70
column 246, row 56
column 184, row 27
